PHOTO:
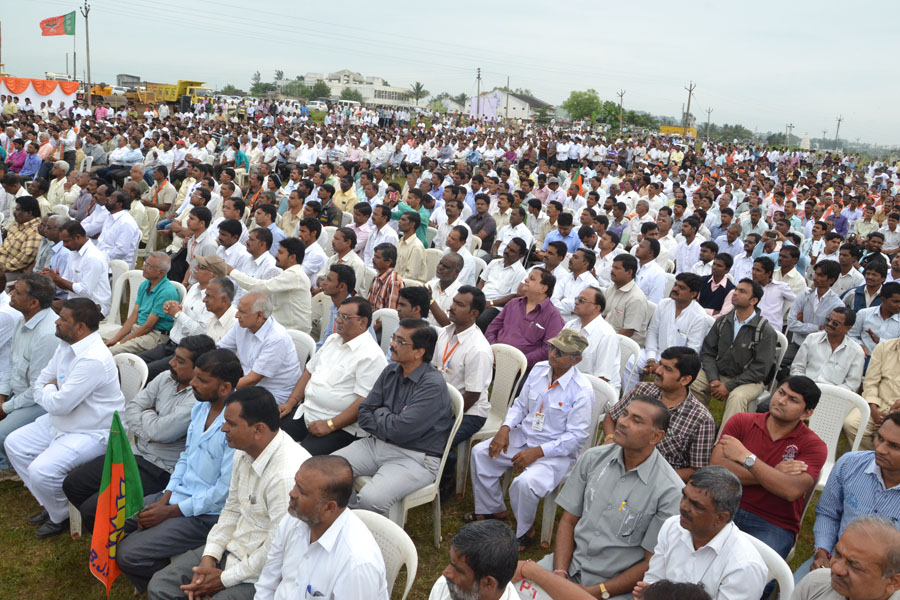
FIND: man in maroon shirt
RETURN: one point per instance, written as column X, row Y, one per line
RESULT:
column 529, row 321
column 778, row 459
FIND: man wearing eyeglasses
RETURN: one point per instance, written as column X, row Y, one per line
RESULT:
column 321, row 410
column 541, row 436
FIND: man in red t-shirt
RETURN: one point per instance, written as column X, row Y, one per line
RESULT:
column 778, row 459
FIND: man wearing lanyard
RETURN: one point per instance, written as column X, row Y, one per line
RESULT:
column 542, row 435
column 466, row 360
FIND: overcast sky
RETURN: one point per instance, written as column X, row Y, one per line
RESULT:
column 761, row 64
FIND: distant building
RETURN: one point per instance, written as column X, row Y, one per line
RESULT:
column 498, row 104
column 128, row 81
column 374, row 90
column 451, row 105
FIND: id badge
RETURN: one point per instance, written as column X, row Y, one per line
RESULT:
column 538, row 423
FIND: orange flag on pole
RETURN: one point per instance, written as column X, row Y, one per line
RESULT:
column 61, row 25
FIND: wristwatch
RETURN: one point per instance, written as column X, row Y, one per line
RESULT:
column 750, row 461
column 330, row 424
column 604, row 593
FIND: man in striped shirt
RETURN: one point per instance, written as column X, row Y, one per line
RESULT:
column 385, row 288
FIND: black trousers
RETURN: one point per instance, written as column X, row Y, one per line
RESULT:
column 317, row 446
column 82, row 485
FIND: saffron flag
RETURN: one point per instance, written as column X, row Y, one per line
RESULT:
column 121, row 496
column 61, row 25
column 579, row 181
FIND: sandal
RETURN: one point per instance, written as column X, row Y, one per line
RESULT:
column 473, row 516
column 526, row 542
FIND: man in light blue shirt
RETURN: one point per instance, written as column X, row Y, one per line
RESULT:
column 179, row 519
column 878, row 322
column 564, row 233
column 861, row 483
column 33, row 343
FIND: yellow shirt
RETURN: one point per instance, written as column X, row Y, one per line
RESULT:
column 881, row 385
column 345, row 200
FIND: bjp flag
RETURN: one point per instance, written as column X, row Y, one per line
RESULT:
column 61, row 25
column 121, row 496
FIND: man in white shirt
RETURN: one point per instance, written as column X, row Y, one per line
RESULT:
column 777, row 296
column 342, row 244
column 464, row 356
column 500, row 280
column 456, row 242
column 483, row 559
column 688, row 252
column 121, row 235
column 743, row 264
column 267, row 354
column 650, row 276
column 570, row 284
column 453, row 209
column 515, row 229
column 321, row 549
column 383, row 233
column 289, row 290
column 830, row 356
column 262, row 262
column 321, row 411
column 265, row 462
column 314, row 257
column 79, row 389
column 703, row 545
column 603, row 354
column 443, row 288
column 86, row 274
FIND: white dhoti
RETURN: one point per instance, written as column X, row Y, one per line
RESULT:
column 43, row 460
column 526, row 490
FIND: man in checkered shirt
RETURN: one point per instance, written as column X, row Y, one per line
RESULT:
column 692, row 431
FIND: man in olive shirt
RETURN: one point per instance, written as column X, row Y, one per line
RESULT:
column 614, row 503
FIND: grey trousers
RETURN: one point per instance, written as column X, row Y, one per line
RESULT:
column 166, row 584
column 395, row 471
column 143, row 552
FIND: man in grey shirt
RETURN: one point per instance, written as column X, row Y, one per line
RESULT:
column 158, row 417
column 614, row 504
column 409, row 416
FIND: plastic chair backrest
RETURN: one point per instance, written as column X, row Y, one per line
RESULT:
column 366, row 283
column 474, row 243
column 397, row 548
column 412, row 283
column 605, row 397
column 303, row 344
column 389, row 322
column 781, row 346
column 510, row 365
column 430, row 234
column 432, row 258
column 132, row 374
column 61, row 209
column 152, row 221
column 669, row 268
column 330, row 229
column 480, row 266
column 87, row 163
column 182, row 291
column 628, row 349
column 778, row 569
column 118, row 272
column 827, row 420
column 346, row 218
column 670, row 283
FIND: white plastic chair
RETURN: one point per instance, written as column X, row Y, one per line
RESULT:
column 366, row 284
column 86, row 164
column 132, row 374
column 182, row 291
column 669, row 268
column 397, row 548
column 474, row 243
column 304, row 345
column 827, row 422
column 480, row 266
column 430, row 493
column 778, row 569
column 61, row 209
column 629, row 350
column 412, row 283
column 430, row 234
column 510, row 365
column 432, row 258
column 329, row 230
column 389, row 322
column 781, row 346
column 605, row 397
column 670, row 283
column 346, row 219
column 113, row 321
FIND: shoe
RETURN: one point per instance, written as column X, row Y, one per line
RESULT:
column 50, row 529
column 39, row 519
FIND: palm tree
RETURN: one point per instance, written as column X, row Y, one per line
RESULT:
column 418, row 91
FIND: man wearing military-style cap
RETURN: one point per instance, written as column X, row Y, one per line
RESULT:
column 542, row 435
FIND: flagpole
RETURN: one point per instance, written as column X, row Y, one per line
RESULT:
column 74, row 61
column 87, row 37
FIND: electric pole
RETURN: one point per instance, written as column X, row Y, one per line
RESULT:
column 788, row 129
column 478, row 94
column 684, row 122
column 837, row 131
column 620, row 94
column 708, row 113
column 507, row 97
column 87, row 37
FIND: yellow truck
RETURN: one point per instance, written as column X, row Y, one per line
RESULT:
column 194, row 91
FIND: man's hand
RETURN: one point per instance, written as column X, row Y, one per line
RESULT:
column 318, row 428
column 2, row 402
column 733, row 449
column 53, row 275
column 228, row 269
column 285, row 409
column 525, row 457
column 872, row 335
column 876, row 415
column 800, row 315
column 171, row 308
column 500, row 442
column 206, row 582
column 718, row 390
column 865, row 350
column 820, row 560
column 154, row 514
column 639, row 589
column 791, row 467
column 651, row 367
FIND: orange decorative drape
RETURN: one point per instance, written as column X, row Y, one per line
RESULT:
column 44, row 87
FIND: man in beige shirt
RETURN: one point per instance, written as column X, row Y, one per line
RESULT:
column 881, row 389
column 410, row 251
